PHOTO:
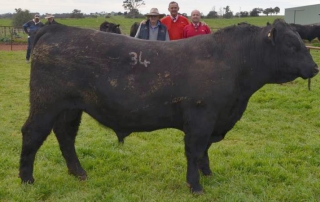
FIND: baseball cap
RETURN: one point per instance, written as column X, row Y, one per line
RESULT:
column 36, row 16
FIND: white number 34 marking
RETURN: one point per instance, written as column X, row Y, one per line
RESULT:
column 134, row 58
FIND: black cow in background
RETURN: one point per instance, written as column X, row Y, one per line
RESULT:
column 110, row 27
column 134, row 29
column 200, row 85
column 306, row 32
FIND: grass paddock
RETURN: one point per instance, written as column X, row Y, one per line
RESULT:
column 272, row 153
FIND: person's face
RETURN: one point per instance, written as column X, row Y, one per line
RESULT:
column 173, row 9
column 153, row 19
column 36, row 19
column 50, row 19
column 195, row 16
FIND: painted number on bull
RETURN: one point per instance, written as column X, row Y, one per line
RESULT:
column 134, row 58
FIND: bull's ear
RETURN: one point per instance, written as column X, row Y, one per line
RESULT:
column 272, row 36
column 117, row 25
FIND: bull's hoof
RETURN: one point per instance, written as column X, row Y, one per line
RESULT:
column 27, row 181
column 80, row 175
column 206, row 171
column 197, row 190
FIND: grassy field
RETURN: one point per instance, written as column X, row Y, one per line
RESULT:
column 125, row 23
column 272, row 154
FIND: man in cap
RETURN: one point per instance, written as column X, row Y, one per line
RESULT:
column 50, row 19
column 30, row 28
column 153, row 29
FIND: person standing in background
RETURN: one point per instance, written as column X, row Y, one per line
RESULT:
column 175, row 22
column 153, row 29
column 196, row 27
column 30, row 28
column 50, row 19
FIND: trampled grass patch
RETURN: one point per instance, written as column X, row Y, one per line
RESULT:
column 272, row 153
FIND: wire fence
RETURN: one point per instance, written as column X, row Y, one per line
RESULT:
column 10, row 35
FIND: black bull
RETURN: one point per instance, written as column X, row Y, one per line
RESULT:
column 199, row 85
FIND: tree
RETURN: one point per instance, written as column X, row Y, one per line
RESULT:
column 255, row 12
column 228, row 13
column 133, row 7
column 212, row 14
column 244, row 14
column 21, row 17
column 76, row 14
column 276, row 10
column 268, row 11
column 134, row 13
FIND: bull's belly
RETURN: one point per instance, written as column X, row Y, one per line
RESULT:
column 135, row 120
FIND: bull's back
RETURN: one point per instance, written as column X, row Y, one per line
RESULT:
column 112, row 63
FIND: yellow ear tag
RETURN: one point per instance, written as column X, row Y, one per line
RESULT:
column 269, row 34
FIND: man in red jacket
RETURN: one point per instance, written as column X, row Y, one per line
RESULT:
column 175, row 22
column 196, row 27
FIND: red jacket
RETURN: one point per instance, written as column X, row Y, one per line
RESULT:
column 175, row 29
column 190, row 30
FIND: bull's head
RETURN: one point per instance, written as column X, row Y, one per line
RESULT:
column 291, row 57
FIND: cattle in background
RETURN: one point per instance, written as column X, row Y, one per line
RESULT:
column 306, row 32
column 110, row 27
column 200, row 85
column 134, row 29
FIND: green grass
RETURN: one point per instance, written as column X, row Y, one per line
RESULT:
column 125, row 23
column 272, row 154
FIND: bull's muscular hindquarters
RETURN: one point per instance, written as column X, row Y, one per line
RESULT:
column 199, row 85
column 65, row 129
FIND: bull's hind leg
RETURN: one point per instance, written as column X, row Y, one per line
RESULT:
column 65, row 129
column 34, row 132
column 204, row 164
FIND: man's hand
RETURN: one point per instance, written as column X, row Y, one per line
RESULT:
column 143, row 22
column 203, row 23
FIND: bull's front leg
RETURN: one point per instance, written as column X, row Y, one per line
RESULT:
column 204, row 163
column 197, row 138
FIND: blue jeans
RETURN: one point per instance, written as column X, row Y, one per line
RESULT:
column 28, row 49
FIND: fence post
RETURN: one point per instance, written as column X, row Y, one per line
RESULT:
column 11, row 37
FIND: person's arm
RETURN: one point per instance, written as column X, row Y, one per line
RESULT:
column 143, row 22
column 167, row 36
column 209, row 30
column 184, row 33
column 25, row 28
column 138, row 31
column 203, row 23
